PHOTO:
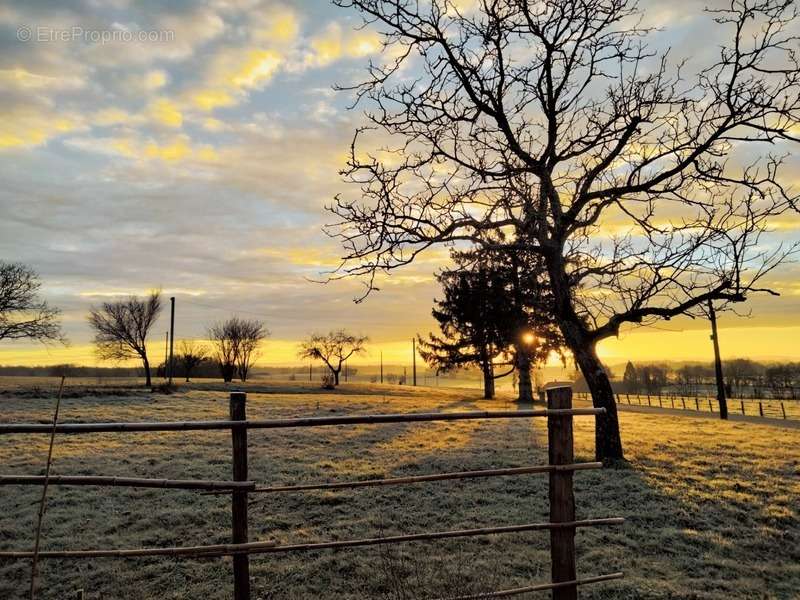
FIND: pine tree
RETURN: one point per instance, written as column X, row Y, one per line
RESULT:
column 487, row 318
column 631, row 378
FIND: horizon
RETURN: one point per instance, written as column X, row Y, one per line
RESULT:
column 282, row 353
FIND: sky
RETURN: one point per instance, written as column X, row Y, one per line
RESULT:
column 192, row 146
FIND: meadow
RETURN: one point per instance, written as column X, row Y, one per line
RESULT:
column 711, row 508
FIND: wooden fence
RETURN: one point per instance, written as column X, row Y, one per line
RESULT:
column 773, row 409
column 562, row 524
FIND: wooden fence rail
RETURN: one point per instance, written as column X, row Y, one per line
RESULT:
column 561, row 467
column 136, row 482
column 163, row 426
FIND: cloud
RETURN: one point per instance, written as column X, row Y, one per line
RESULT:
column 165, row 112
column 113, row 116
column 334, row 43
column 24, row 80
column 27, row 127
column 155, row 79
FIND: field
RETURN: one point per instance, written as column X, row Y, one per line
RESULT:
column 711, row 508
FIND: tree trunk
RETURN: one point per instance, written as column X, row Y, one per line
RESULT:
column 146, row 364
column 488, row 382
column 524, row 369
column 608, row 443
column 335, row 377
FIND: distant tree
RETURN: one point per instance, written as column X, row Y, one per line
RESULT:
column 236, row 342
column 631, row 379
column 654, row 377
column 742, row 373
column 190, row 356
column 23, row 314
column 121, row 328
column 783, row 378
column 252, row 333
column 333, row 348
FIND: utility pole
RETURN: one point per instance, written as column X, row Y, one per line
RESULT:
column 166, row 352
column 171, row 336
column 414, row 360
column 310, row 371
column 345, row 372
column 723, row 403
column 381, row 366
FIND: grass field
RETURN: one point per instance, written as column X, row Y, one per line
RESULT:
column 711, row 508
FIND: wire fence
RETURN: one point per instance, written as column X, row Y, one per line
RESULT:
column 562, row 524
column 773, row 409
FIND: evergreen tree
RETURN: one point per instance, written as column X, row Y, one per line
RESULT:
column 631, row 378
column 489, row 319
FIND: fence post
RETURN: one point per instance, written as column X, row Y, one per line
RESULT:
column 783, row 410
column 241, row 562
column 760, row 409
column 561, row 494
column 742, row 403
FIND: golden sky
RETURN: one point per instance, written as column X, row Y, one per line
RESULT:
column 200, row 163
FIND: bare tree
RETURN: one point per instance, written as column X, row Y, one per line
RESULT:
column 236, row 343
column 23, row 314
column 121, row 328
column 190, row 356
column 252, row 334
column 551, row 126
column 333, row 349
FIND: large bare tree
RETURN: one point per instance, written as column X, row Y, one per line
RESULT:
column 551, row 126
column 121, row 328
column 333, row 348
column 23, row 314
column 236, row 342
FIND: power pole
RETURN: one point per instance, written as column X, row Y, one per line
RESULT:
column 171, row 336
column 723, row 403
column 345, row 372
column 310, row 371
column 381, row 366
column 414, row 360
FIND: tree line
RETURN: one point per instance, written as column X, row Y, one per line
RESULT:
column 744, row 378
